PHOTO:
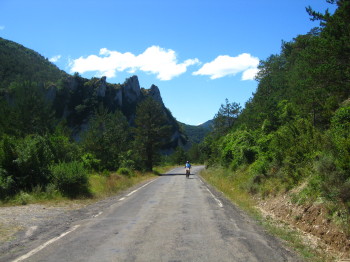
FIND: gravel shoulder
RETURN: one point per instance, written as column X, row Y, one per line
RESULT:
column 16, row 220
column 23, row 228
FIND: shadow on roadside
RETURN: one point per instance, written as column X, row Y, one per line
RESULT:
column 177, row 174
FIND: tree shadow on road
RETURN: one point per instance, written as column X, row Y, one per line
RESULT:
column 177, row 174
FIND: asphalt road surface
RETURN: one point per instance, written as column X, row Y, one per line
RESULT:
column 170, row 218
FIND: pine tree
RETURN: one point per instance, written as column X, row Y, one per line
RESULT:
column 151, row 132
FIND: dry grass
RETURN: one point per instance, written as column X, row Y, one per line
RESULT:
column 103, row 186
column 234, row 187
column 8, row 231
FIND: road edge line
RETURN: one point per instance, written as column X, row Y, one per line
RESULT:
column 41, row 247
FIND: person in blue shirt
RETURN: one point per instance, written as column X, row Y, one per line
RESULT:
column 188, row 169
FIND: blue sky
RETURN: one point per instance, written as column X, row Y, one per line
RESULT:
column 198, row 52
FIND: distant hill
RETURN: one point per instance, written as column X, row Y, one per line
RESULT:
column 19, row 63
column 196, row 134
column 74, row 99
column 207, row 125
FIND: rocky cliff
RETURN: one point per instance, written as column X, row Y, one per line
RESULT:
column 76, row 99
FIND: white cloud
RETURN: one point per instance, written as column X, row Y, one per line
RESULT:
column 55, row 58
column 154, row 60
column 225, row 65
column 250, row 74
column 2, row 27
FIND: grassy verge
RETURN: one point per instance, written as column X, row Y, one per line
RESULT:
column 104, row 186
column 233, row 185
column 163, row 169
column 100, row 186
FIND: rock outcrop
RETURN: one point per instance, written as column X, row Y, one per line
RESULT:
column 131, row 89
column 79, row 98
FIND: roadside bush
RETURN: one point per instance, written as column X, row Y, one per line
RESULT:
column 127, row 160
column 125, row 172
column 7, row 184
column 70, row 178
column 63, row 149
column 23, row 198
column 334, row 182
column 238, row 148
column 27, row 160
column 91, row 162
column 340, row 134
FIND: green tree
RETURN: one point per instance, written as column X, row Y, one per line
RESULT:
column 226, row 116
column 195, row 153
column 107, row 138
column 179, row 156
column 31, row 113
column 151, row 132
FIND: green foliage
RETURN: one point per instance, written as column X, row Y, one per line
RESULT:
column 22, row 64
column 90, row 161
column 195, row 134
column 225, row 118
column 195, row 153
column 125, row 172
column 151, row 132
column 28, row 111
column 340, row 133
column 106, row 139
column 180, row 156
column 44, row 112
column 295, row 130
column 27, row 160
column 7, row 184
column 238, row 148
column 70, row 178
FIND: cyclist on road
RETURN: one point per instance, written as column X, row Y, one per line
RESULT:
column 188, row 169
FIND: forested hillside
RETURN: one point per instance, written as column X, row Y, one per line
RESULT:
column 20, row 64
column 195, row 134
column 56, row 128
column 295, row 130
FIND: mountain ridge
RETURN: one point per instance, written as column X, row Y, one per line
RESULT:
column 73, row 97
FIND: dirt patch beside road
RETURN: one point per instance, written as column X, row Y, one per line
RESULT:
column 28, row 217
column 313, row 222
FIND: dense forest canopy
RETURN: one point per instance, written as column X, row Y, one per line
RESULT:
column 296, row 127
column 55, row 128
column 20, row 64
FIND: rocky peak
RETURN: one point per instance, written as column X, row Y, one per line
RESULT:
column 101, row 89
column 131, row 88
column 155, row 93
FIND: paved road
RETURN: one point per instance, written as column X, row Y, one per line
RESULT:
column 168, row 219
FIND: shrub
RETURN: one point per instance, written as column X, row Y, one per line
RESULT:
column 7, row 184
column 27, row 160
column 125, row 171
column 70, row 178
column 90, row 161
column 23, row 198
column 238, row 148
column 340, row 133
column 334, row 184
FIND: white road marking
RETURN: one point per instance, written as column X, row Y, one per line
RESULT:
column 133, row 192
column 217, row 200
column 36, row 250
column 97, row 215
